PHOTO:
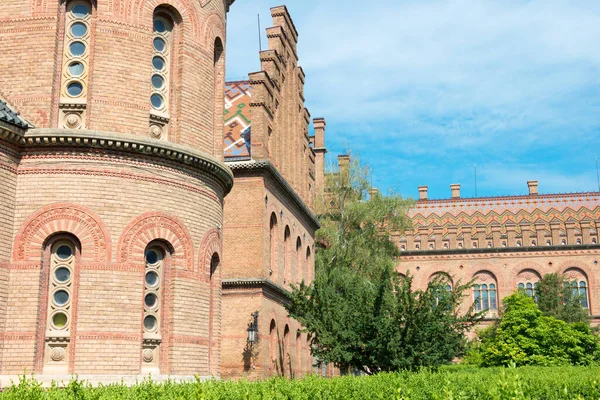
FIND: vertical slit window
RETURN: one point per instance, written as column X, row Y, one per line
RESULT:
column 161, row 46
column 152, row 289
column 62, row 262
column 75, row 64
column 76, row 50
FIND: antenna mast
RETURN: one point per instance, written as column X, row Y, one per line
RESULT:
column 475, row 167
column 597, row 174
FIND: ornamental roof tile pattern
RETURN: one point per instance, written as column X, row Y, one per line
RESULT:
column 9, row 116
column 237, row 138
column 508, row 209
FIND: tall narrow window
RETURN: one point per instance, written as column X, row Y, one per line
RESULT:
column 527, row 282
column 287, row 255
column 75, row 66
column 485, row 294
column 299, row 260
column 153, row 285
column 274, row 264
column 60, row 306
column 309, row 268
column 161, row 70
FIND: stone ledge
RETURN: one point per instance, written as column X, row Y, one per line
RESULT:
column 39, row 138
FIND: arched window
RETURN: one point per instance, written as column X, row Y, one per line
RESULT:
column 274, row 267
column 75, row 66
column 273, row 349
column 299, row 260
column 578, row 282
column 153, row 287
column 446, row 281
column 287, row 364
column 298, row 353
column 287, row 255
column 485, row 295
column 527, row 282
column 309, row 267
column 161, row 62
column 60, row 307
column 160, row 81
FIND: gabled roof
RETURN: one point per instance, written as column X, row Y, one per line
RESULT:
column 11, row 117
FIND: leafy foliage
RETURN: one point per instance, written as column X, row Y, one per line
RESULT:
column 556, row 299
column 548, row 383
column 359, row 312
column 525, row 336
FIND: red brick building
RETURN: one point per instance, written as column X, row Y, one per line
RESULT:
column 269, row 223
column 505, row 243
column 112, row 186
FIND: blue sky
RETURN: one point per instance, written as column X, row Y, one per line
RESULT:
column 424, row 89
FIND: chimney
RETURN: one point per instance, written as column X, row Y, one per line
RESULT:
column 455, row 189
column 344, row 165
column 533, row 187
column 422, row 192
column 373, row 192
column 319, row 124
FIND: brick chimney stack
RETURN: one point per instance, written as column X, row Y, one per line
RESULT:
column 423, row 192
column 533, row 187
column 318, row 143
column 455, row 189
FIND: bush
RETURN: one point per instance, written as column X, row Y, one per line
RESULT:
column 526, row 337
column 454, row 382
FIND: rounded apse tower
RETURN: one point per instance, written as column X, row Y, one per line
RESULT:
column 112, row 186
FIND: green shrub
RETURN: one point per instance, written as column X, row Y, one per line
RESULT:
column 450, row 382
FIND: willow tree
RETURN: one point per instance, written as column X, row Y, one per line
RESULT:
column 359, row 311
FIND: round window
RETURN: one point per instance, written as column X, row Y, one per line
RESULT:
column 62, row 274
column 161, row 25
column 150, row 323
column 159, row 44
column 150, row 300
column 76, row 69
column 78, row 29
column 59, row 320
column 151, row 278
column 158, row 63
column 80, row 11
column 157, row 101
column 158, row 81
column 61, row 297
column 74, row 89
column 63, row 252
column 152, row 256
column 77, row 48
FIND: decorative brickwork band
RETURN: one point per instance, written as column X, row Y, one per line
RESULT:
column 65, row 218
column 153, row 226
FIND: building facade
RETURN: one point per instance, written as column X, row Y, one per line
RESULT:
column 269, row 222
column 112, row 186
column 505, row 243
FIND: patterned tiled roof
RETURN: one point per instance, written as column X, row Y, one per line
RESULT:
column 9, row 116
column 500, row 210
column 238, row 96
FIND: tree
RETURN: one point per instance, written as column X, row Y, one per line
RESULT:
column 556, row 299
column 525, row 336
column 360, row 313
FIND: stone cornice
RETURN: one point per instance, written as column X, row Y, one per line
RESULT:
column 484, row 252
column 40, row 138
column 265, row 166
column 269, row 288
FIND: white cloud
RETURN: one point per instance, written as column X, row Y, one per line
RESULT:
column 446, row 80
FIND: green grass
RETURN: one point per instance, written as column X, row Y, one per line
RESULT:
column 447, row 384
